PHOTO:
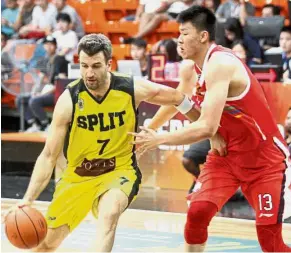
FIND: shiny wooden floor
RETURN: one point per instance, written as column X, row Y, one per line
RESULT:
column 155, row 231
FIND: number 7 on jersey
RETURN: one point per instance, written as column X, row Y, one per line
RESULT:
column 104, row 144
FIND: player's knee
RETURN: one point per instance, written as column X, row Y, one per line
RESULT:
column 198, row 219
column 270, row 238
column 191, row 166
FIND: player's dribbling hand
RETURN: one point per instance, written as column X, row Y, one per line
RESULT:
column 18, row 205
column 218, row 145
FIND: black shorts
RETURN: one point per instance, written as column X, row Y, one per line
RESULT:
column 198, row 152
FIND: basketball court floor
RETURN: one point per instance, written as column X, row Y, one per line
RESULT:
column 159, row 231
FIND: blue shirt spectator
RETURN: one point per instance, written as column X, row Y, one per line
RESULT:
column 9, row 16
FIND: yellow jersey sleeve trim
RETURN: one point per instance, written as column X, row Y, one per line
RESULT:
column 72, row 84
column 121, row 74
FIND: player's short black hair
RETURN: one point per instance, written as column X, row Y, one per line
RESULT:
column 201, row 18
column 94, row 43
column 286, row 29
column 275, row 9
column 139, row 43
column 64, row 17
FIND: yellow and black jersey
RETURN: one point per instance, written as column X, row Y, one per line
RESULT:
column 98, row 141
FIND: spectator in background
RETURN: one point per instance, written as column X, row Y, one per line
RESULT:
column 236, row 9
column 8, row 18
column 285, row 44
column 138, row 51
column 151, row 13
column 169, row 49
column 24, row 16
column 240, row 50
column 270, row 10
column 43, row 95
column 234, row 31
column 67, row 39
column 288, row 129
column 6, row 62
column 43, row 20
column 212, row 4
column 76, row 24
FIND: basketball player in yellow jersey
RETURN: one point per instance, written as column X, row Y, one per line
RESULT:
column 91, row 120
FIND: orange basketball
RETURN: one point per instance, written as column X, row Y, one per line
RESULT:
column 25, row 228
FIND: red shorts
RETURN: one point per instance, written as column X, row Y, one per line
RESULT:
column 267, row 188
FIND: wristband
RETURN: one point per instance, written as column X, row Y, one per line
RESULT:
column 185, row 106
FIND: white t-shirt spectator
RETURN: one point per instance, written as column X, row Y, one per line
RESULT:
column 151, row 5
column 76, row 20
column 66, row 40
column 177, row 7
column 43, row 19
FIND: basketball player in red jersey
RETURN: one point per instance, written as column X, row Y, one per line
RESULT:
column 232, row 103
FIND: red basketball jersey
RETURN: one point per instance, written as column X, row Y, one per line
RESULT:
column 246, row 124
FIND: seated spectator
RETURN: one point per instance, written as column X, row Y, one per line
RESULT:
column 212, row 4
column 76, row 24
column 6, row 61
column 285, row 44
column 138, row 51
column 43, row 20
column 270, row 10
column 151, row 13
column 67, row 39
column 240, row 50
column 236, row 9
column 8, row 18
column 288, row 129
column 234, row 31
column 145, row 7
column 43, row 96
column 169, row 49
column 24, row 16
column 177, row 6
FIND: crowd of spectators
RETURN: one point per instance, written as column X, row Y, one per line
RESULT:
column 56, row 27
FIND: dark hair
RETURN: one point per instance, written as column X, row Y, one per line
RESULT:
column 94, row 43
column 201, row 18
column 286, row 29
column 275, row 9
column 171, row 48
column 64, row 17
column 233, row 25
column 139, row 43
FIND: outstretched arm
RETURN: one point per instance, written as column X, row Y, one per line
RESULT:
column 218, row 76
column 188, row 79
column 186, row 86
column 46, row 161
